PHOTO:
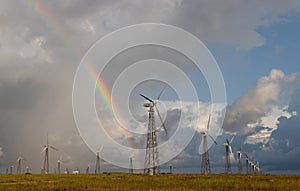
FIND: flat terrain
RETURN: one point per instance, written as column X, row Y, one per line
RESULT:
column 119, row 181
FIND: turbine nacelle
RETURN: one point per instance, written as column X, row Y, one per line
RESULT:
column 152, row 103
column 148, row 104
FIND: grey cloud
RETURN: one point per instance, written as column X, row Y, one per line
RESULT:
column 231, row 22
column 1, row 152
column 285, row 145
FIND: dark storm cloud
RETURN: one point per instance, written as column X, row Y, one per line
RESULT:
column 284, row 144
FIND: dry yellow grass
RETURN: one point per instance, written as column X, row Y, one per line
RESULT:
column 120, row 181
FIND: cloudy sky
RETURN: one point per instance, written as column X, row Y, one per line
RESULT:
column 255, row 44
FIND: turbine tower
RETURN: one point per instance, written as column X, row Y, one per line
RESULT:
column 97, row 170
column 240, row 168
column 19, row 162
column 170, row 168
column 27, row 170
column 46, row 159
column 247, row 163
column 151, row 157
column 228, row 155
column 205, row 167
column 11, row 169
column 252, row 168
column 130, row 166
column 257, row 168
column 58, row 165
column 87, row 171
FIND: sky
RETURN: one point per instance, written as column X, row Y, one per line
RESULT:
column 255, row 44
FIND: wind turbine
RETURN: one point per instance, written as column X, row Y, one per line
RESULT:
column 252, row 167
column 58, row 165
column 151, row 157
column 170, row 168
column 228, row 155
column 205, row 169
column 87, row 171
column 19, row 164
column 46, row 160
column 240, row 168
column 11, row 169
column 130, row 166
column 247, row 163
column 97, row 170
column 27, row 170
column 257, row 168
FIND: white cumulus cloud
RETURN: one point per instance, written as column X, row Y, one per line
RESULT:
column 261, row 105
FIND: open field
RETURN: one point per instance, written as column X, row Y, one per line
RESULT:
column 119, row 181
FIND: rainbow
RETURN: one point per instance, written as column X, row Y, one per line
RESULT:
column 102, row 89
column 50, row 19
column 58, row 26
column 106, row 96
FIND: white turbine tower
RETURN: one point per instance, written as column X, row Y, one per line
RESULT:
column 87, row 171
column 19, row 164
column 205, row 168
column 228, row 156
column 240, row 167
column 252, row 167
column 11, row 169
column 151, row 157
column 257, row 168
column 58, row 166
column 27, row 170
column 97, row 169
column 46, row 159
column 130, row 166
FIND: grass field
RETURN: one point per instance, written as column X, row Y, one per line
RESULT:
column 133, row 182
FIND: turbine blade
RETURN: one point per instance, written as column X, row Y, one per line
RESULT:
column 230, row 149
column 212, row 138
column 231, row 139
column 208, row 122
column 200, row 149
column 53, row 147
column 100, row 148
column 162, row 91
column 161, row 119
column 146, row 98
column 44, row 150
column 227, row 141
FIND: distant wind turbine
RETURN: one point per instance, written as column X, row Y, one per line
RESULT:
column 46, row 159
column 205, row 169
column 228, row 156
